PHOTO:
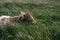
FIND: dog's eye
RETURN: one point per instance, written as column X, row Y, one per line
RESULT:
column 24, row 15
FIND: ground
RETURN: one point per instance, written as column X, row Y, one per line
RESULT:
column 47, row 17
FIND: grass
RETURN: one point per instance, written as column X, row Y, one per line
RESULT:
column 46, row 28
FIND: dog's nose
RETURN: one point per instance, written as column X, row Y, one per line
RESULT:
column 33, row 22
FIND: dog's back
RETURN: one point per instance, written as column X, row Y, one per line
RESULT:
column 3, row 19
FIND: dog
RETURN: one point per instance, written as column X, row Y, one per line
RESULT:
column 11, row 19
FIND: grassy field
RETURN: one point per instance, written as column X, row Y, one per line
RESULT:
column 46, row 28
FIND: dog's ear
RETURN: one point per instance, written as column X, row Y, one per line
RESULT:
column 31, row 18
column 22, row 13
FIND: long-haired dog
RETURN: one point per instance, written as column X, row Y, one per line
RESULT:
column 10, row 20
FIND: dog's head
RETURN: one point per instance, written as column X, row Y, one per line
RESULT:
column 27, row 17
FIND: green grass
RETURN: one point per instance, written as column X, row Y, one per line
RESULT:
column 47, row 17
